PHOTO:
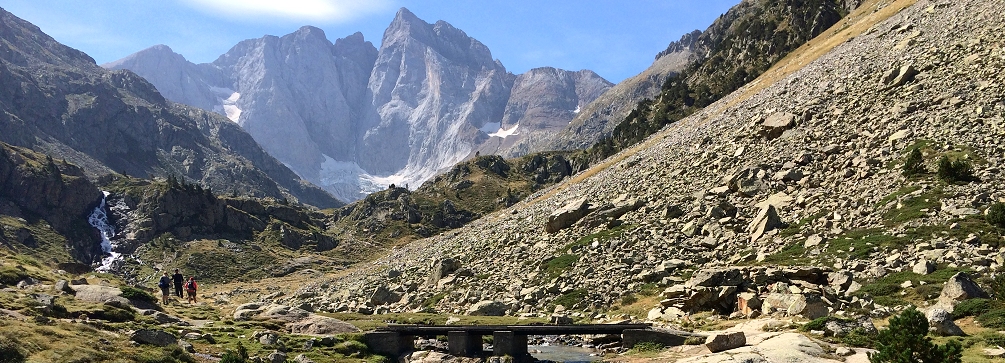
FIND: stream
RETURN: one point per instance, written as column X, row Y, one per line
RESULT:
column 99, row 220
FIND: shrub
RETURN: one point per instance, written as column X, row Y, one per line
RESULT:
column 996, row 215
column 350, row 347
column 993, row 338
column 906, row 340
column 994, row 319
column 230, row 356
column 955, row 171
column 859, row 337
column 10, row 275
column 9, row 352
column 971, row 307
column 644, row 347
column 628, row 299
column 116, row 315
column 996, row 287
column 914, row 163
column 133, row 293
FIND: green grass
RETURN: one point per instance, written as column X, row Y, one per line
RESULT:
column 601, row 236
column 133, row 293
column 897, row 195
column 556, row 266
column 570, row 298
column 915, row 207
column 433, row 300
column 797, row 227
column 887, row 291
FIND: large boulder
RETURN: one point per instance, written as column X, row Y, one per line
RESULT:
column 720, row 342
column 284, row 313
column 716, row 277
column 958, row 288
column 247, row 311
column 100, row 294
column 153, row 337
column 383, row 296
column 767, row 219
column 442, row 268
column 567, row 216
column 776, row 124
column 808, row 306
column 488, row 308
column 321, row 325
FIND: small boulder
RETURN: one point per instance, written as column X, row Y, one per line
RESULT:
column 63, row 286
column 941, row 321
column 276, row 357
column 923, row 267
column 721, row 342
column 268, row 338
column 153, row 337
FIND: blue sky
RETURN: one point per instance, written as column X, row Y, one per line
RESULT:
column 616, row 39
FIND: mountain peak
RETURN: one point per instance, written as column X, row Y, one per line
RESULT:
column 406, row 16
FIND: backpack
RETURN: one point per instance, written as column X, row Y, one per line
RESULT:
column 163, row 283
column 190, row 285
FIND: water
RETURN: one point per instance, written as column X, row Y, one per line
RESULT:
column 99, row 219
column 564, row 353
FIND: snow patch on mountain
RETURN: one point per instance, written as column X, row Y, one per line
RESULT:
column 227, row 103
column 346, row 180
column 503, row 133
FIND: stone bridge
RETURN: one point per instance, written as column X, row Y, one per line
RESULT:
column 466, row 340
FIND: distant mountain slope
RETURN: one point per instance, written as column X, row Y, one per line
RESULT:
column 56, row 100
column 735, row 49
column 353, row 118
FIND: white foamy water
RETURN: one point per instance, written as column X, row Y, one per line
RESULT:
column 99, row 219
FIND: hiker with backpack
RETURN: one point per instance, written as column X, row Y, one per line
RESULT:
column 191, row 287
column 165, row 285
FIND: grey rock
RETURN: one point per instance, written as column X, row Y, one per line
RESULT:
column 383, row 296
column 775, row 124
column 765, row 221
column 716, row 277
column 941, row 321
column 923, row 267
column 153, row 337
column 488, row 308
column 722, row 342
column 441, row 268
column 186, row 346
column 958, row 288
column 276, row 357
column 321, row 325
column 268, row 338
column 63, row 286
column 567, row 216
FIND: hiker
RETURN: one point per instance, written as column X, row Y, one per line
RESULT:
column 191, row 287
column 165, row 285
column 178, row 280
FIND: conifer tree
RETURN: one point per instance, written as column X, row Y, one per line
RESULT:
column 906, row 341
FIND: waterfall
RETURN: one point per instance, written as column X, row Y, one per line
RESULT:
column 99, row 219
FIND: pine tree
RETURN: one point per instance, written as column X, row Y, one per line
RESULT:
column 913, row 165
column 906, row 341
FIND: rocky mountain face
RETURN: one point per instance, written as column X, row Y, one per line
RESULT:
column 355, row 119
column 57, row 101
column 34, row 186
column 790, row 201
column 599, row 117
column 734, row 50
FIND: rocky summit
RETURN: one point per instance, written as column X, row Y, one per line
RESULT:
column 793, row 196
column 358, row 118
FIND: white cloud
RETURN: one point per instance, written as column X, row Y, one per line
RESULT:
column 312, row 10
